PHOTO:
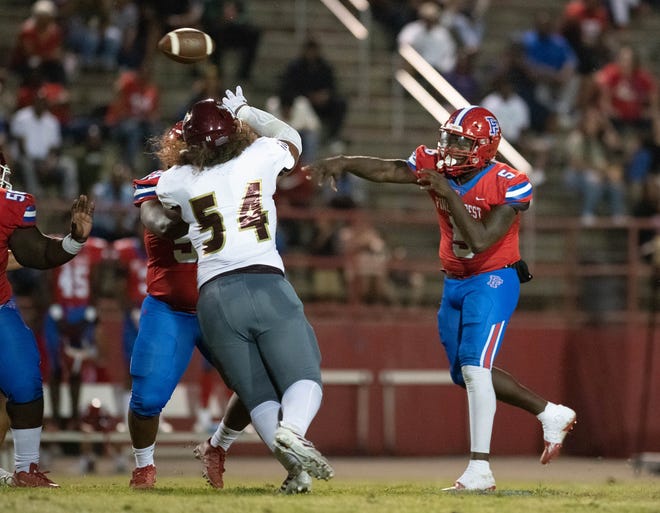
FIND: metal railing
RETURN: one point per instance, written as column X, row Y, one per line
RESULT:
column 562, row 268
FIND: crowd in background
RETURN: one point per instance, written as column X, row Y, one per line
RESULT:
column 571, row 92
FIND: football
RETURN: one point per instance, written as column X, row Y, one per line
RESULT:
column 186, row 45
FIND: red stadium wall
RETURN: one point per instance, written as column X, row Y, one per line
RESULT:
column 595, row 370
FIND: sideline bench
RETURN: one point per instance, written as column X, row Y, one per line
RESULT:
column 180, row 407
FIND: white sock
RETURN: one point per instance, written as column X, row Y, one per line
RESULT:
column 26, row 447
column 544, row 413
column 224, row 437
column 479, row 466
column 144, row 457
column 481, row 405
column 265, row 418
column 300, row 404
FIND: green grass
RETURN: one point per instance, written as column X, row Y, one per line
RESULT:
column 192, row 495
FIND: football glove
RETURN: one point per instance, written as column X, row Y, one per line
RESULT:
column 234, row 101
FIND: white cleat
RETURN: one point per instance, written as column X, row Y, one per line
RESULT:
column 298, row 454
column 6, row 478
column 294, row 484
column 472, row 480
column 557, row 420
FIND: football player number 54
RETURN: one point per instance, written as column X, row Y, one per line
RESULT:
column 251, row 216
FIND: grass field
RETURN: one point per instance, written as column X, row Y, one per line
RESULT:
column 361, row 486
column 178, row 495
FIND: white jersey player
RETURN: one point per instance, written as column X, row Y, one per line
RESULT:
column 252, row 320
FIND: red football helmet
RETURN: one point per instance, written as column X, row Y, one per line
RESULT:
column 468, row 140
column 208, row 123
column 6, row 173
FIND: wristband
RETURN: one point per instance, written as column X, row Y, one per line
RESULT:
column 71, row 246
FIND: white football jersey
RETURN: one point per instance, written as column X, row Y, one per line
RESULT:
column 230, row 207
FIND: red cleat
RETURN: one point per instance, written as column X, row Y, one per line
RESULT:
column 143, row 478
column 213, row 462
column 34, row 478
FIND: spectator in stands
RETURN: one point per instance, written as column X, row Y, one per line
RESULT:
column 513, row 111
column 37, row 151
column 464, row 79
column 328, row 283
column 97, row 30
column 174, row 14
column 393, row 15
column 466, row 20
column 70, row 327
column 313, row 76
column 408, row 284
column 430, row 38
column 295, row 189
column 140, row 32
column 510, row 108
column 647, row 206
column 58, row 97
column 157, row 17
column 643, row 160
column 622, row 11
column 298, row 112
column 366, row 257
column 39, row 44
column 593, row 166
column 114, row 202
column 229, row 23
column 133, row 116
column 552, row 65
column 93, row 158
column 586, row 26
column 208, row 84
column 628, row 92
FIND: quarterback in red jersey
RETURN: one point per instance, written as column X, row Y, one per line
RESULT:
column 20, row 376
column 478, row 202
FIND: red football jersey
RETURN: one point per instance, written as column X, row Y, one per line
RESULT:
column 171, row 265
column 18, row 211
column 497, row 184
column 72, row 281
column 132, row 255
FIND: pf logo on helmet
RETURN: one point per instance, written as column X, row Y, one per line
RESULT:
column 493, row 124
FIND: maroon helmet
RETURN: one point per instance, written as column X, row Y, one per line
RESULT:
column 468, row 140
column 176, row 132
column 208, row 123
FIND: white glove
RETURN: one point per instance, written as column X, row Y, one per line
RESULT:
column 234, row 101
